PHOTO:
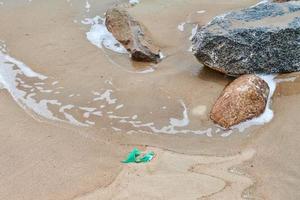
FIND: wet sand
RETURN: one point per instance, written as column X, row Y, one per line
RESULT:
column 45, row 159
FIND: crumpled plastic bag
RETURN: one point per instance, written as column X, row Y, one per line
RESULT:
column 136, row 156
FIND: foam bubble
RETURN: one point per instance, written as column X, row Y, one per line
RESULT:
column 107, row 96
column 201, row 11
column 99, row 36
column 268, row 114
column 87, row 6
column 180, row 27
column 134, row 2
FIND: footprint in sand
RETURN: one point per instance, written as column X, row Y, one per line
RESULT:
column 190, row 177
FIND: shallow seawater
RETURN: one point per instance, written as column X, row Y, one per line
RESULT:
column 99, row 85
column 59, row 70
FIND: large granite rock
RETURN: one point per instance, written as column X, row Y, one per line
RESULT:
column 264, row 38
column 245, row 98
column 132, row 35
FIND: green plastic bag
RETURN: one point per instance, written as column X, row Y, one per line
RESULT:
column 132, row 156
column 145, row 158
column 135, row 156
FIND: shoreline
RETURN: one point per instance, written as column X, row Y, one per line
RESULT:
column 54, row 160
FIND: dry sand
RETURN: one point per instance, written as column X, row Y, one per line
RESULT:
column 42, row 159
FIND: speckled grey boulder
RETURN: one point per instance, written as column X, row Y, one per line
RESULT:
column 264, row 38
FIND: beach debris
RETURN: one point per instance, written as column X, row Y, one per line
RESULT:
column 243, row 99
column 261, row 39
column 136, row 156
column 132, row 35
column 147, row 157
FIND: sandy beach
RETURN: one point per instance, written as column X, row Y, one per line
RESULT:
column 66, row 136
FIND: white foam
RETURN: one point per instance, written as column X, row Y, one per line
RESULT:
column 268, row 114
column 226, row 133
column 194, row 31
column 11, row 73
column 97, row 113
column 69, row 117
column 201, row 11
column 180, row 27
column 2, row 47
column 116, row 129
column 88, row 111
column 89, row 122
column 99, row 36
column 261, row 2
column 106, row 95
column 87, row 6
column 175, row 125
column 149, row 70
column 54, row 82
column 26, row 70
column 218, row 18
column 8, row 79
column 39, row 83
column 181, row 122
column 119, row 106
column 161, row 55
column 134, row 2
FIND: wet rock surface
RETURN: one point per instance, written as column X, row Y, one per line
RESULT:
column 264, row 38
column 132, row 35
column 245, row 98
column 282, row 1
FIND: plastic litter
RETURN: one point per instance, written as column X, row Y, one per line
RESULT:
column 136, row 156
column 132, row 156
column 145, row 158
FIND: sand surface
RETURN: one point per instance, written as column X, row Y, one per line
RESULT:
column 77, row 155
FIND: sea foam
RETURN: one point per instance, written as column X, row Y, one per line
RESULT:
column 134, row 2
column 99, row 36
column 268, row 114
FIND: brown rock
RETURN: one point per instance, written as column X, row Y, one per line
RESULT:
column 132, row 35
column 243, row 99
